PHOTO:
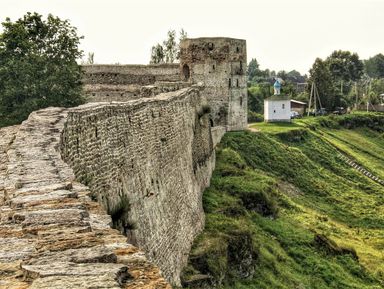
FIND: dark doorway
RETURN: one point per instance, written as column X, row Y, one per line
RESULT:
column 186, row 72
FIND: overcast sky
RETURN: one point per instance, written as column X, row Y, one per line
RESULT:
column 280, row 34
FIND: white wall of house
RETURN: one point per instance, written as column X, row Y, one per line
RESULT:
column 277, row 110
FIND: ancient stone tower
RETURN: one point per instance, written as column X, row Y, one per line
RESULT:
column 220, row 64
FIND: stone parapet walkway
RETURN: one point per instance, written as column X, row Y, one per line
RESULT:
column 52, row 235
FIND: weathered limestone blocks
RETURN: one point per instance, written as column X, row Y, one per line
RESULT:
column 123, row 82
column 221, row 64
column 147, row 161
column 52, row 235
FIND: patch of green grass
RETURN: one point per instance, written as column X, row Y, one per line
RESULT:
column 284, row 211
column 275, row 127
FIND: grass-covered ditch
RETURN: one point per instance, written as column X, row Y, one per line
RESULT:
column 284, row 211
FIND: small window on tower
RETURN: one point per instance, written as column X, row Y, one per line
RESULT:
column 283, row 106
column 241, row 101
column 237, row 49
column 229, row 83
column 213, row 67
column 210, row 46
column 237, row 83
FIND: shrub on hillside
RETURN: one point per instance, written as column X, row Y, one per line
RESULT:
column 255, row 117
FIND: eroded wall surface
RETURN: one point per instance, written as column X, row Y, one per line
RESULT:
column 123, row 82
column 220, row 64
column 147, row 162
column 52, row 235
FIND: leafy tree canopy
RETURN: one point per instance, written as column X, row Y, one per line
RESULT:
column 345, row 65
column 38, row 66
column 374, row 66
column 169, row 51
column 322, row 77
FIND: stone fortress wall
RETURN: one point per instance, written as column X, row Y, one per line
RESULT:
column 52, row 235
column 146, row 161
column 219, row 64
column 123, row 82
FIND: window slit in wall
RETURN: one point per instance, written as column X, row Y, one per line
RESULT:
column 283, row 106
column 241, row 101
column 237, row 83
column 229, row 83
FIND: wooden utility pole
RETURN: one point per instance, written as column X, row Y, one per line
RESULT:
column 314, row 98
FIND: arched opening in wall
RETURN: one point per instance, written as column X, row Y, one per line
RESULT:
column 237, row 49
column 211, row 122
column 211, row 46
column 186, row 72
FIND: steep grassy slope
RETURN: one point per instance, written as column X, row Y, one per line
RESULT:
column 284, row 211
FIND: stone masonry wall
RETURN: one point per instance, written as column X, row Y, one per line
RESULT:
column 52, row 235
column 123, row 82
column 147, row 162
column 220, row 64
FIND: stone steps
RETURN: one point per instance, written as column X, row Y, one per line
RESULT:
column 360, row 169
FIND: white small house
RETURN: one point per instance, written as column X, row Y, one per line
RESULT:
column 277, row 108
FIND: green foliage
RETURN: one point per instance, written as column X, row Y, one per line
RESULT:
column 325, row 224
column 157, row 54
column 169, row 51
column 345, row 66
column 322, row 77
column 254, row 117
column 38, row 66
column 374, row 66
column 256, row 95
column 334, row 78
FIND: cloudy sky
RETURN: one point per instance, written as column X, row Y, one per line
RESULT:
column 280, row 34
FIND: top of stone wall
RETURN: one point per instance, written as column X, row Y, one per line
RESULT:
column 215, row 39
column 130, row 68
column 52, row 235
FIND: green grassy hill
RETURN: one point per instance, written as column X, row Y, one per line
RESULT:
column 284, row 210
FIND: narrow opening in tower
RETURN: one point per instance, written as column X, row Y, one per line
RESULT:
column 186, row 72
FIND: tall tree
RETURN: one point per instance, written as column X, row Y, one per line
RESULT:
column 169, row 50
column 253, row 69
column 321, row 76
column 157, row 54
column 374, row 66
column 345, row 68
column 182, row 35
column 38, row 66
column 170, row 47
